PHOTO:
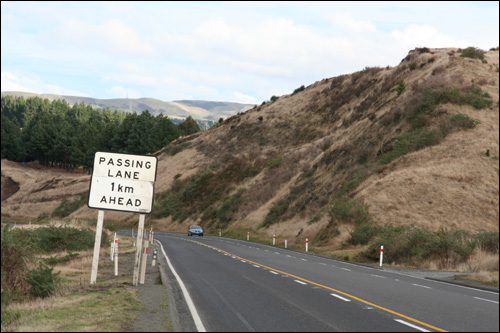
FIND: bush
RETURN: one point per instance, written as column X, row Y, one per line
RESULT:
column 349, row 210
column 228, row 208
column 67, row 207
column 487, row 241
column 411, row 141
column 474, row 53
column 275, row 212
column 301, row 88
column 363, row 234
column 274, row 162
column 409, row 243
column 463, row 121
column 401, row 87
column 56, row 239
column 42, row 280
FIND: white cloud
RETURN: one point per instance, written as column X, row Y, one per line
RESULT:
column 245, row 99
column 112, row 35
column 425, row 35
column 221, row 51
column 347, row 22
column 34, row 84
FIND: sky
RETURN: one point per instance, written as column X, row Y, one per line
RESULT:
column 241, row 52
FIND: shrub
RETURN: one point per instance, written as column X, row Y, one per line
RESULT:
column 43, row 282
column 409, row 243
column 56, row 239
column 274, row 162
column 349, row 210
column 474, row 53
column 301, row 88
column 228, row 208
column 487, row 241
column 275, row 212
column 463, row 121
column 14, row 254
column 331, row 230
column 401, row 87
column 421, row 50
column 411, row 141
column 67, row 207
column 173, row 149
column 363, row 234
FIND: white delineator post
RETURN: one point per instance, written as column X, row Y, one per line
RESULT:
column 138, row 250
column 116, row 255
column 285, row 243
column 274, row 240
column 381, row 254
column 248, row 235
column 153, row 262
column 144, row 259
column 307, row 244
column 220, row 232
column 97, row 246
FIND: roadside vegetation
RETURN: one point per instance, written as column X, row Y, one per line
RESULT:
column 45, row 282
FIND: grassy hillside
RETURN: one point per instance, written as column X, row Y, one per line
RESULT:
column 406, row 155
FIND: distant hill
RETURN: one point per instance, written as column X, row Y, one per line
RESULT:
column 203, row 111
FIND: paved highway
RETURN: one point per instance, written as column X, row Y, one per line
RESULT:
column 236, row 285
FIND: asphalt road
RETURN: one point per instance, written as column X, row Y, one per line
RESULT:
column 236, row 285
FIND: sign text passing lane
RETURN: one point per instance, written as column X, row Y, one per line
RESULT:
column 123, row 182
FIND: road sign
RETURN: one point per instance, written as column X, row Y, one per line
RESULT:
column 123, row 182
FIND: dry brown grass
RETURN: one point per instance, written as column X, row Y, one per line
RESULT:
column 326, row 130
column 77, row 306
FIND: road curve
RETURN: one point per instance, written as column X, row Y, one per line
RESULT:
column 237, row 285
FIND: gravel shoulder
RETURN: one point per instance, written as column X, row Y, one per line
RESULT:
column 163, row 305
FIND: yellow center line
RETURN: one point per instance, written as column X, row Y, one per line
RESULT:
column 328, row 288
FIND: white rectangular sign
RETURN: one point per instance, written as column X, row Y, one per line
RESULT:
column 123, row 182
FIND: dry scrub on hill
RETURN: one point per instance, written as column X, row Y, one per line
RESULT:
column 411, row 145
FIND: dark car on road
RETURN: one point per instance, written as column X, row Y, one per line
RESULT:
column 195, row 230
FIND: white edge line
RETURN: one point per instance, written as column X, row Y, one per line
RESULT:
column 487, row 300
column 421, row 286
column 189, row 301
column 411, row 325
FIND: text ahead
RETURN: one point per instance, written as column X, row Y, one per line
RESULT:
column 123, row 182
